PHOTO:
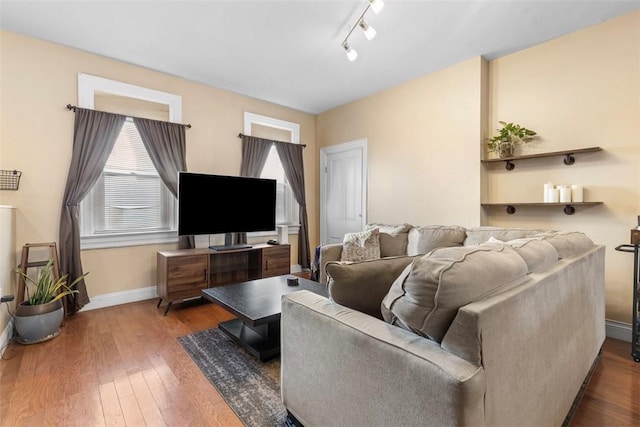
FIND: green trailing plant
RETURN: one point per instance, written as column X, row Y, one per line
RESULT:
column 46, row 288
column 510, row 134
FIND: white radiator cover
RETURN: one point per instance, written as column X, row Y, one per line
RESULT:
column 7, row 264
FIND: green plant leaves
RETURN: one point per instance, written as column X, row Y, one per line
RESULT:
column 46, row 288
column 510, row 133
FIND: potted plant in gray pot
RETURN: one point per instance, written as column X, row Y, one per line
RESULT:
column 39, row 317
column 508, row 137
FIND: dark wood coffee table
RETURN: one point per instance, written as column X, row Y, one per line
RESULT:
column 257, row 305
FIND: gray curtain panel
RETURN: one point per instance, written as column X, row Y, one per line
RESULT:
column 165, row 143
column 254, row 155
column 95, row 133
column 292, row 162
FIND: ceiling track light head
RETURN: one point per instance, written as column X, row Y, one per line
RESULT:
column 351, row 52
column 369, row 31
column 376, row 5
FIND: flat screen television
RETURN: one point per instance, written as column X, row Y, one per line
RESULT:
column 217, row 204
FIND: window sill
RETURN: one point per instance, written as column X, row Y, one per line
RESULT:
column 124, row 240
column 293, row 229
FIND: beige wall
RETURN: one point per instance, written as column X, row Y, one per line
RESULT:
column 580, row 90
column 423, row 142
column 38, row 79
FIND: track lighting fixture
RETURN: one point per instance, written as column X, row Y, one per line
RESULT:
column 351, row 52
column 369, row 31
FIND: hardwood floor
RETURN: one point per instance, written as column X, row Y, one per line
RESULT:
column 115, row 366
column 123, row 366
column 613, row 395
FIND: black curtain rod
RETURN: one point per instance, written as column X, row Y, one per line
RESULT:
column 241, row 135
column 74, row 108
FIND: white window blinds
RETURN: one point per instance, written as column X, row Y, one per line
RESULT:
column 129, row 196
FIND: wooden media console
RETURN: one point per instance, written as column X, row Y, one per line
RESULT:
column 184, row 273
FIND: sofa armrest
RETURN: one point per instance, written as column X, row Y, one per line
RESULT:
column 543, row 335
column 330, row 252
column 342, row 367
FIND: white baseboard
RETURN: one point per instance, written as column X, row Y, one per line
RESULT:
column 618, row 330
column 123, row 297
column 133, row 295
column 7, row 334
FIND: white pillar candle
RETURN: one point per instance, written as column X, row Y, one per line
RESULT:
column 565, row 194
column 577, row 195
column 555, row 195
column 549, row 198
column 548, row 188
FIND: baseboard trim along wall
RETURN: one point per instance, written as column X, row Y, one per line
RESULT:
column 7, row 334
column 123, row 297
column 618, row 330
column 134, row 295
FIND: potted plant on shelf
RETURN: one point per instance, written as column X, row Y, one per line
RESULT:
column 508, row 137
column 38, row 318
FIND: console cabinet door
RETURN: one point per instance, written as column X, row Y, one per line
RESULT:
column 276, row 261
column 184, row 276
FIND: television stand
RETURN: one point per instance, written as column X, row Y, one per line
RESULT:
column 219, row 248
column 184, row 273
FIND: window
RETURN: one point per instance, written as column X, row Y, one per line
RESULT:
column 286, row 205
column 129, row 197
column 129, row 204
column 287, row 209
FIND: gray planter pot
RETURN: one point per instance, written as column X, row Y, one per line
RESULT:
column 38, row 323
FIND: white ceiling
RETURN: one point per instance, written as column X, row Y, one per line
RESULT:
column 289, row 52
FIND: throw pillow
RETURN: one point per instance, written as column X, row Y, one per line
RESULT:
column 393, row 238
column 425, row 298
column 363, row 285
column 361, row 246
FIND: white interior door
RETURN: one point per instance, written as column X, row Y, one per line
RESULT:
column 343, row 190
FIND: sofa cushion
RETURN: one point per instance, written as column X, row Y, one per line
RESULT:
column 536, row 252
column 426, row 296
column 478, row 235
column 363, row 285
column 361, row 246
column 569, row 243
column 393, row 238
column 424, row 239
column 389, row 228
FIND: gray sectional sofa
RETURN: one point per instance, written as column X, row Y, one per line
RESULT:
column 487, row 327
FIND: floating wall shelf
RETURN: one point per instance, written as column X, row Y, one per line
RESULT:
column 569, row 208
column 568, row 155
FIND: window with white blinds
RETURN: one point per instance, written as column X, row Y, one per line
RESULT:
column 286, row 205
column 129, row 197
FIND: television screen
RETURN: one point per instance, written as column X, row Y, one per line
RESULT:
column 215, row 204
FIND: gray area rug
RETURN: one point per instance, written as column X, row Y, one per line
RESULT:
column 250, row 387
